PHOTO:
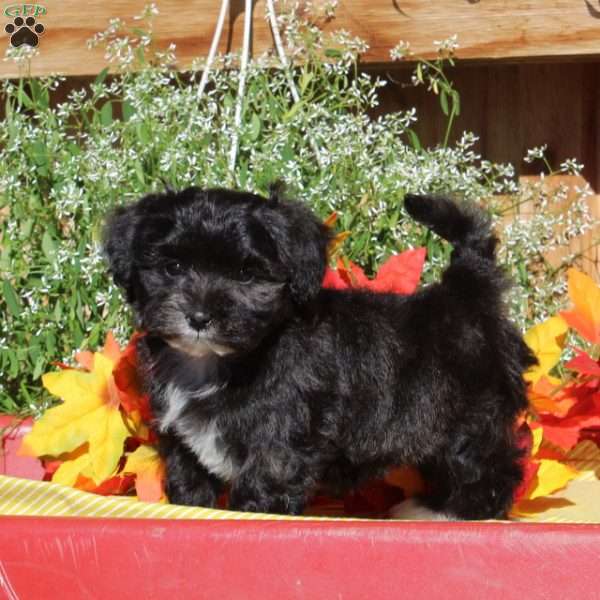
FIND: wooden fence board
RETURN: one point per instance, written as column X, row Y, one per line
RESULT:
column 490, row 29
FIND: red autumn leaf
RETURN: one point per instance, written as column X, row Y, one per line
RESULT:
column 530, row 469
column 565, row 433
column 128, row 384
column 400, row 273
column 374, row 498
column 333, row 280
column 60, row 365
column 584, row 364
column 352, row 275
column 118, row 485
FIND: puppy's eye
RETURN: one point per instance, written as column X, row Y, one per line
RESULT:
column 173, row 269
column 245, row 277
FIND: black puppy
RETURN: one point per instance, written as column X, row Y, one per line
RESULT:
column 261, row 379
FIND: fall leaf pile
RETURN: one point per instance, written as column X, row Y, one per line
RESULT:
column 99, row 439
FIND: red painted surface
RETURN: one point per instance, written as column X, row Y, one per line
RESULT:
column 81, row 559
column 12, row 430
column 45, row 559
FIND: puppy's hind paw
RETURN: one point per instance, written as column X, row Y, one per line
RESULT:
column 412, row 510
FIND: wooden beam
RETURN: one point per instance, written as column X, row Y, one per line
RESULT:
column 486, row 30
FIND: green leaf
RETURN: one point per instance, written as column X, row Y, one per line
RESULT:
column 101, row 76
column 139, row 171
column 305, row 80
column 13, row 370
column 48, row 247
column 38, row 369
column 39, row 94
column 143, row 133
column 26, row 227
column 444, row 102
column 456, row 102
column 333, row 53
column 24, row 99
column 414, row 139
column 127, row 111
column 419, row 72
column 106, row 114
column 10, row 297
column 254, row 131
column 290, row 114
column 57, row 314
column 287, row 152
column 39, row 153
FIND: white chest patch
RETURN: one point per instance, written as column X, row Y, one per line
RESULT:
column 204, row 441
column 202, row 438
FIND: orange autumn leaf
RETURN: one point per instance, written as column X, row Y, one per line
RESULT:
column 331, row 220
column 336, row 243
column 546, row 397
column 585, row 316
column 407, row 478
column 149, row 469
column 111, row 350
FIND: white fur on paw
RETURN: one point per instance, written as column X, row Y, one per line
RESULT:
column 411, row 510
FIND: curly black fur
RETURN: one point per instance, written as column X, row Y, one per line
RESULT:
column 261, row 379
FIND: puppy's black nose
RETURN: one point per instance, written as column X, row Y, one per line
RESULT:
column 198, row 320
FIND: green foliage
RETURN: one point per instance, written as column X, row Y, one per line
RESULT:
column 63, row 167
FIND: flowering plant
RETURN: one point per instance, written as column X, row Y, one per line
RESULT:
column 68, row 154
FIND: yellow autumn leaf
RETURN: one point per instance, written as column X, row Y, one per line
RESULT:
column 89, row 413
column 551, row 477
column 148, row 468
column 64, row 427
column 537, row 434
column 69, row 471
column 106, row 443
column 546, row 341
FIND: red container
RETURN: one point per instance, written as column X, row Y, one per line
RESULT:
column 81, row 558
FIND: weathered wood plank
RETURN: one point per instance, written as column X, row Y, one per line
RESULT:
column 490, row 29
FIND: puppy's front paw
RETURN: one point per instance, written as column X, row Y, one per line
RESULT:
column 278, row 503
column 200, row 495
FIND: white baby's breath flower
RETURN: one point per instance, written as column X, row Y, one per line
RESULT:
column 449, row 45
column 536, row 153
column 401, row 50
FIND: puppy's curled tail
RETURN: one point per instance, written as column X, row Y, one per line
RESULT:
column 473, row 265
column 465, row 227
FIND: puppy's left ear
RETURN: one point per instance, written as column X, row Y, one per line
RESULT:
column 117, row 243
column 301, row 240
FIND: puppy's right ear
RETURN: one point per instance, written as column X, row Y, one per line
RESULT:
column 118, row 237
